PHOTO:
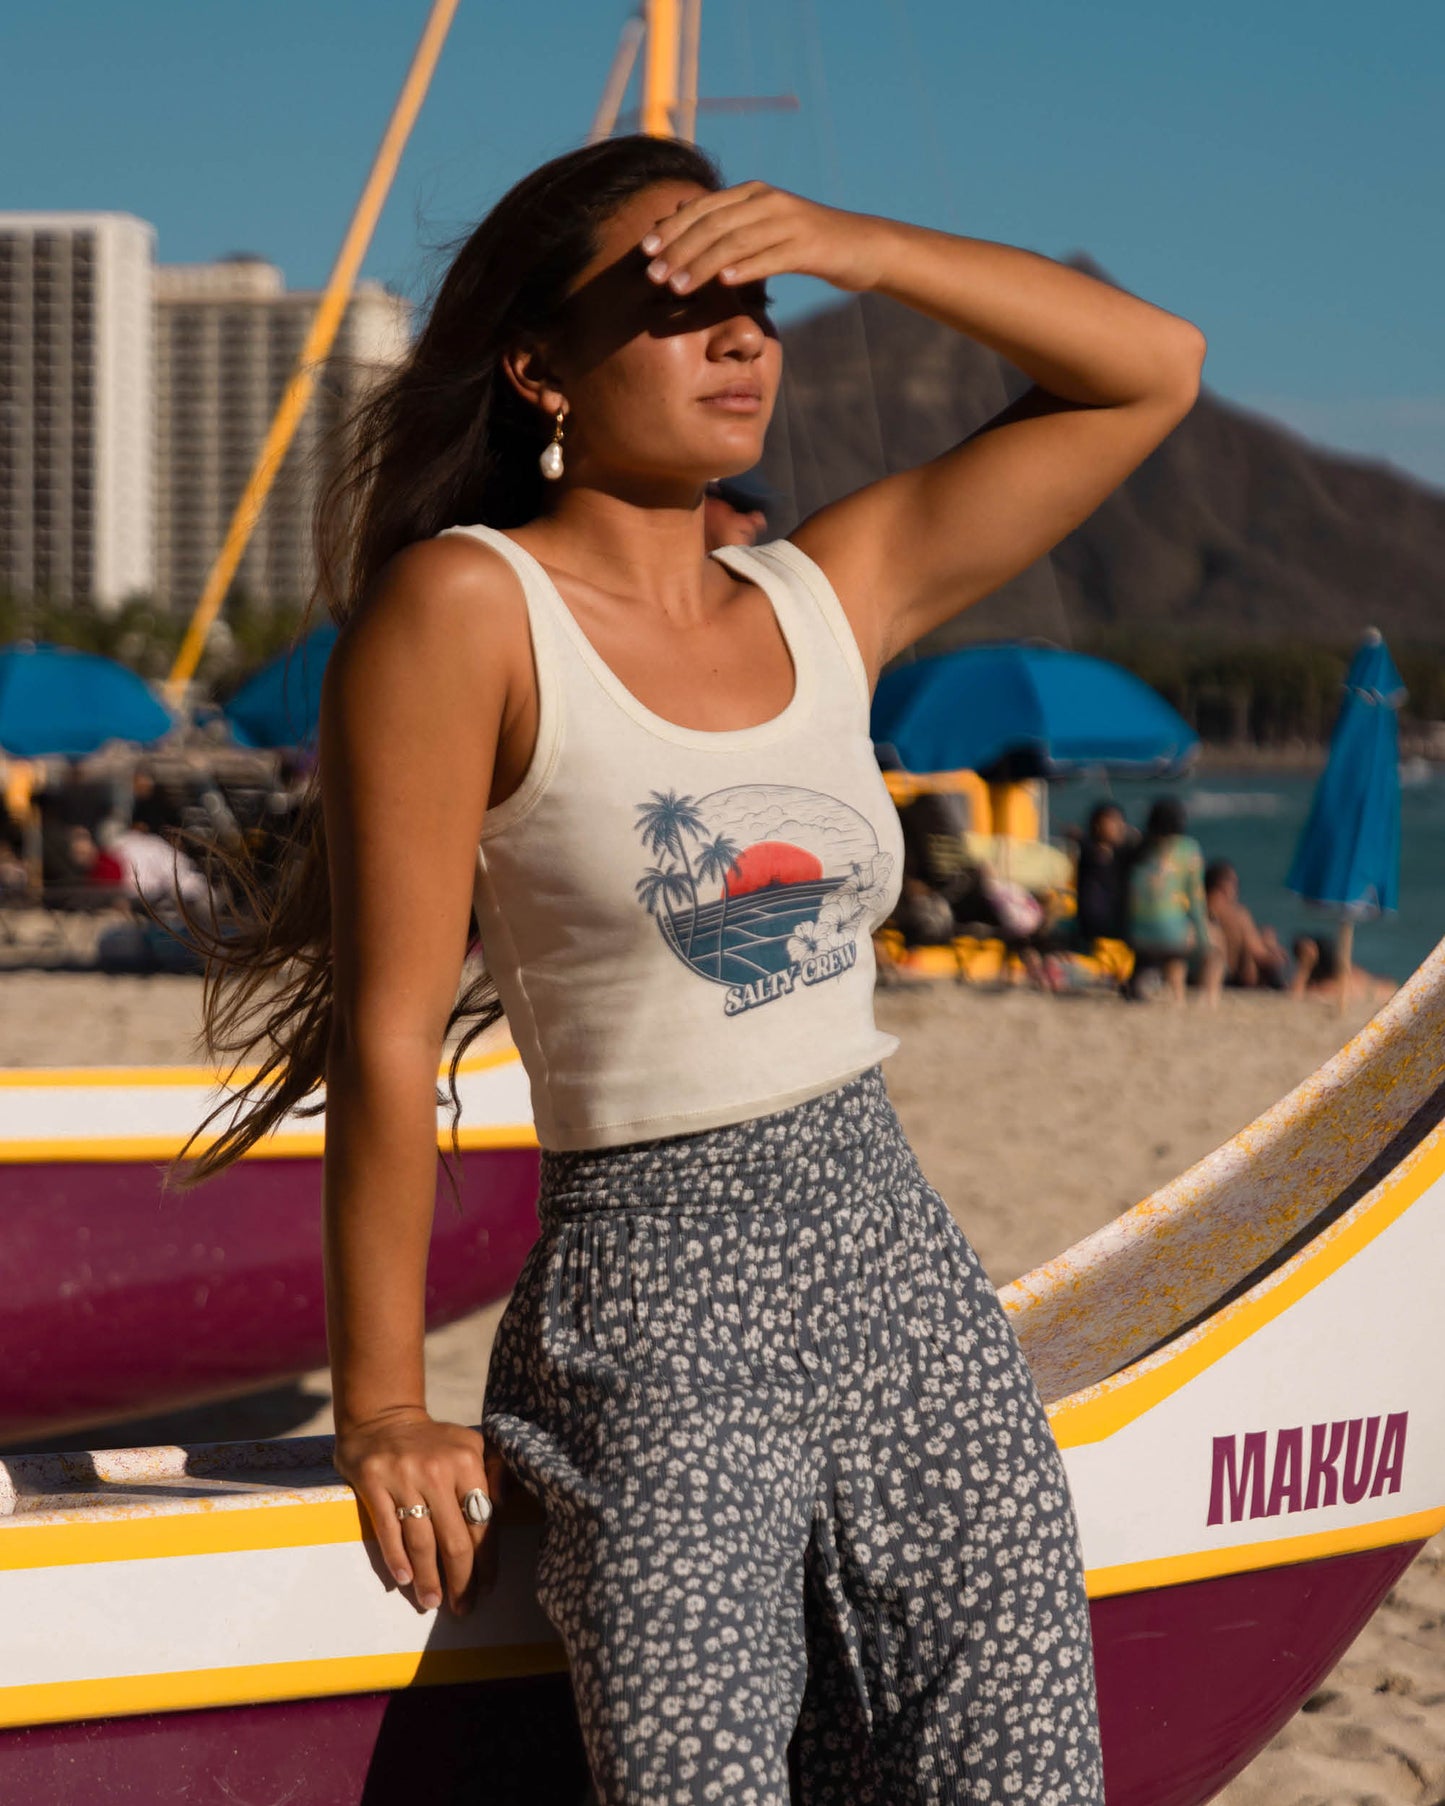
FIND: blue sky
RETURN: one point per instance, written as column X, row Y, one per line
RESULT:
column 1273, row 171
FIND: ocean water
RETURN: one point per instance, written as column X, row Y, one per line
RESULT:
column 1254, row 821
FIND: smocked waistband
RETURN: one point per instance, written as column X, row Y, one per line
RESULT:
column 767, row 1162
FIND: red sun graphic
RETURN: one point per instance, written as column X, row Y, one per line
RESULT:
column 770, row 862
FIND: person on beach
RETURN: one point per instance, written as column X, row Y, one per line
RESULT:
column 1169, row 927
column 155, row 868
column 1254, row 959
column 806, row 1525
column 1101, row 876
column 14, row 803
column 1318, row 973
column 734, row 513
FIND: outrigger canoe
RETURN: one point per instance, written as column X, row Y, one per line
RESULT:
column 1243, row 1372
column 117, row 1298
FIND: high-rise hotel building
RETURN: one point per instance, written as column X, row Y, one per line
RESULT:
column 77, row 450
column 228, row 336
column 134, row 399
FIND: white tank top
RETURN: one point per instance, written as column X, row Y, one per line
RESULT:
column 678, row 921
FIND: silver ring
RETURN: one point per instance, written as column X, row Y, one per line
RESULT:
column 413, row 1511
column 477, row 1506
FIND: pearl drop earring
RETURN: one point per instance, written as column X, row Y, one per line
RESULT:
column 551, row 458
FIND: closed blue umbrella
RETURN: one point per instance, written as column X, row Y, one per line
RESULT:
column 1348, row 857
column 281, row 704
column 55, row 700
column 1042, row 710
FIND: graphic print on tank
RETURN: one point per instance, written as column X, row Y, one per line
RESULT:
column 761, row 887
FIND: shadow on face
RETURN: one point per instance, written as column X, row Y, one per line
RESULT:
column 654, row 383
column 621, row 303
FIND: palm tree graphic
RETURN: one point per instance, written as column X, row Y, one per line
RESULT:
column 716, row 860
column 663, row 823
column 659, row 889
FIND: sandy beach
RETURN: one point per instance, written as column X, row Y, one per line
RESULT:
column 1037, row 1119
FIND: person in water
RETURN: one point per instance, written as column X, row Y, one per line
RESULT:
column 804, row 1514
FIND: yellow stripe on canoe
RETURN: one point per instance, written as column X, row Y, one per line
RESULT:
column 1249, row 1558
column 40, row 1077
column 284, row 1146
column 50, row 1702
column 214, row 1529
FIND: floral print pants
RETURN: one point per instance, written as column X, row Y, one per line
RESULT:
column 807, row 1536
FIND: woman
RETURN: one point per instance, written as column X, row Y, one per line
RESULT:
column 1101, row 877
column 794, row 1471
column 1168, row 916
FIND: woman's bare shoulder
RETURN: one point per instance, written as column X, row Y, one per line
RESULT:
column 454, row 579
column 443, row 620
column 442, row 599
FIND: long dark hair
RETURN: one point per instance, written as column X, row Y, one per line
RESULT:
column 443, row 441
column 1167, row 817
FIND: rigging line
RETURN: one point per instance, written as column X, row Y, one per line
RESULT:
column 793, row 410
column 320, row 337
column 927, row 117
column 825, row 135
column 777, row 22
column 751, row 137
column 943, row 169
column 689, row 56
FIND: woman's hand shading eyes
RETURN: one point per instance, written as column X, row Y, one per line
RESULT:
column 740, row 236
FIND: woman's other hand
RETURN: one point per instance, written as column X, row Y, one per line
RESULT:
column 407, row 1458
column 748, row 233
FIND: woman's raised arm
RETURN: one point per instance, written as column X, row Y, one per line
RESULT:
column 412, row 706
column 1113, row 375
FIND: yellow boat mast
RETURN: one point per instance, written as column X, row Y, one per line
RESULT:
column 672, row 29
column 319, row 340
column 672, row 33
column 660, row 67
column 669, row 94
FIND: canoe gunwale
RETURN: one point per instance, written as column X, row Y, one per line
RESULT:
column 1425, row 1121
column 1238, row 1217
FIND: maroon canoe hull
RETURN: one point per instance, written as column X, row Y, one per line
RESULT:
column 495, row 1742
column 1193, row 1681
column 117, row 1299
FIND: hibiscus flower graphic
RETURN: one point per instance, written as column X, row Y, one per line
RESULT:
column 806, row 940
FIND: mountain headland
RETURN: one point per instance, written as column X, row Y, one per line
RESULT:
column 1236, row 536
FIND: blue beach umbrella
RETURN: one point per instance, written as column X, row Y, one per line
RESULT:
column 1045, row 711
column 1348, row 857
column 55, row 701
column 281, row 703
